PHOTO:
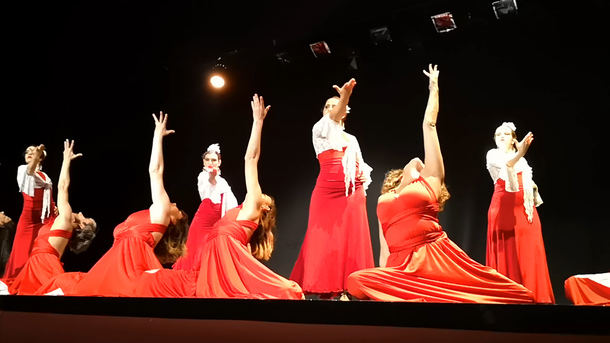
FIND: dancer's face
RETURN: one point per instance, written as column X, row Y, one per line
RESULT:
column 79, row 219
column 29, row 153
column 211, row 161
column 504, row 138
column 330, row 104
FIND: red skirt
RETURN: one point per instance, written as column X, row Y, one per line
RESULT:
column 64, row 282
column 338, row 241
column 39, row 269
column 585, row 291
column 438, row 271
column 515, row 246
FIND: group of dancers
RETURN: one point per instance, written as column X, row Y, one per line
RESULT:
column 218, row 255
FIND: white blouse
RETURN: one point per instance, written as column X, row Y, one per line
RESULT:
column 27, row 183
column 496, row 165
column 327, row 134
column 214, row 192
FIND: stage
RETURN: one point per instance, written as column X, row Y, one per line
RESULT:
column 93, row 319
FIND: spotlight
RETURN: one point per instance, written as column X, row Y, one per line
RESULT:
column 319, row 49
column 217, row 77
column 443, row 22
column 504, row 7
column 380, row 35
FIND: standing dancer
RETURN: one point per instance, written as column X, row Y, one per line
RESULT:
column 337, row 241
column 38, row 207
column 514, row 235
column 424, row 264
column 216, row 199
column 67, row 229
column 144, row 240
column 228, row 268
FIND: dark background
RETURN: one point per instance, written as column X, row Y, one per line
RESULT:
column 95, row 71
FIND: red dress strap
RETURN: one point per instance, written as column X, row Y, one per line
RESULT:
column 60, row 233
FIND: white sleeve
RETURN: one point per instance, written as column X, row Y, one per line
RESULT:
column 204, row 186
column 25, row 182
column 326, row 135
column 496, row 165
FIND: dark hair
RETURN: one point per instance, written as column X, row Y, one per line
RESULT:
column 211, row 152
column 173, row 243
column 262, row 241
column 82, row 237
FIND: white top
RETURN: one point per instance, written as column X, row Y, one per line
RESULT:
column 214, row 192
column 27, row 184
column 327, row 134
column 496, row 165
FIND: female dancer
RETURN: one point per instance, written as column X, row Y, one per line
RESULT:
column 228, row 268
column 337, row 241
column 424, row 265
column 36, row 187
column 67, row 229
column 163, row 227
column 514, row 236
column 216, row 199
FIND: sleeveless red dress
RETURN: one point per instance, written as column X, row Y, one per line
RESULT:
column 132, row 253
column 206, row 216
column 424, row 265
column 338, row 240
column 43, row 264
column 228, row 269
column 515, row 246
column 26, row 232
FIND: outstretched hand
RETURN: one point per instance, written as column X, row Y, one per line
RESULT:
column 259, row 111
column 161, row 124
column 69, row 154
column 432, row 74
column 346, row 89
column 524, row 144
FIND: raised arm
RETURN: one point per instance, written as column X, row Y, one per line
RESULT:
column 159, row 210
column 251, row 207
column 63, row 205
column 345, row 92
column 434, row 169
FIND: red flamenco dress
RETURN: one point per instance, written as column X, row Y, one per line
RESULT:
column 515, row 246
column 588, row 289
column 228, row 269
column 43, row 264
column 424, row 264
column 206, row 216
column 132, row 253
column 37, row 207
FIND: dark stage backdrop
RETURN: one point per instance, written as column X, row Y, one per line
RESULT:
column 96, row 72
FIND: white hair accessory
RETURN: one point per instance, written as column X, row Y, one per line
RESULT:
column 508, row 125
column 347, row 109
column 214, row 148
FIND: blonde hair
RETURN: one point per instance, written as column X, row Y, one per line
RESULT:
column 262, row 241
column 393, row 178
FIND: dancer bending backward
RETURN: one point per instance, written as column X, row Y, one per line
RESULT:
column 144, row 240
column 216, row 199
column 337, row 241
column 514, row 235
column 423, row 264
column 228, row 268
column 38, row 208
column 68, row 229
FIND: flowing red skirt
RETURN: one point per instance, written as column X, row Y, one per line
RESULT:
column 26, row 232
column 515, row 246
column 338, row 241
column 437, row 270
column 584, row 291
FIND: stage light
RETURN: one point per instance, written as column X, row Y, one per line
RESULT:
column 217, row 81
column 443, row 22
column 282, row 57
column 319, row 49
column 380, row 35
column 504, row 8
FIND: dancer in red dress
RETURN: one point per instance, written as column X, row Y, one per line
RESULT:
column 423, row 263
column 515, row 246
column 144, row 241
column 229, row 268
column 55, row 235
column 337, row 241
column 38, row 207
column 216, row 199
